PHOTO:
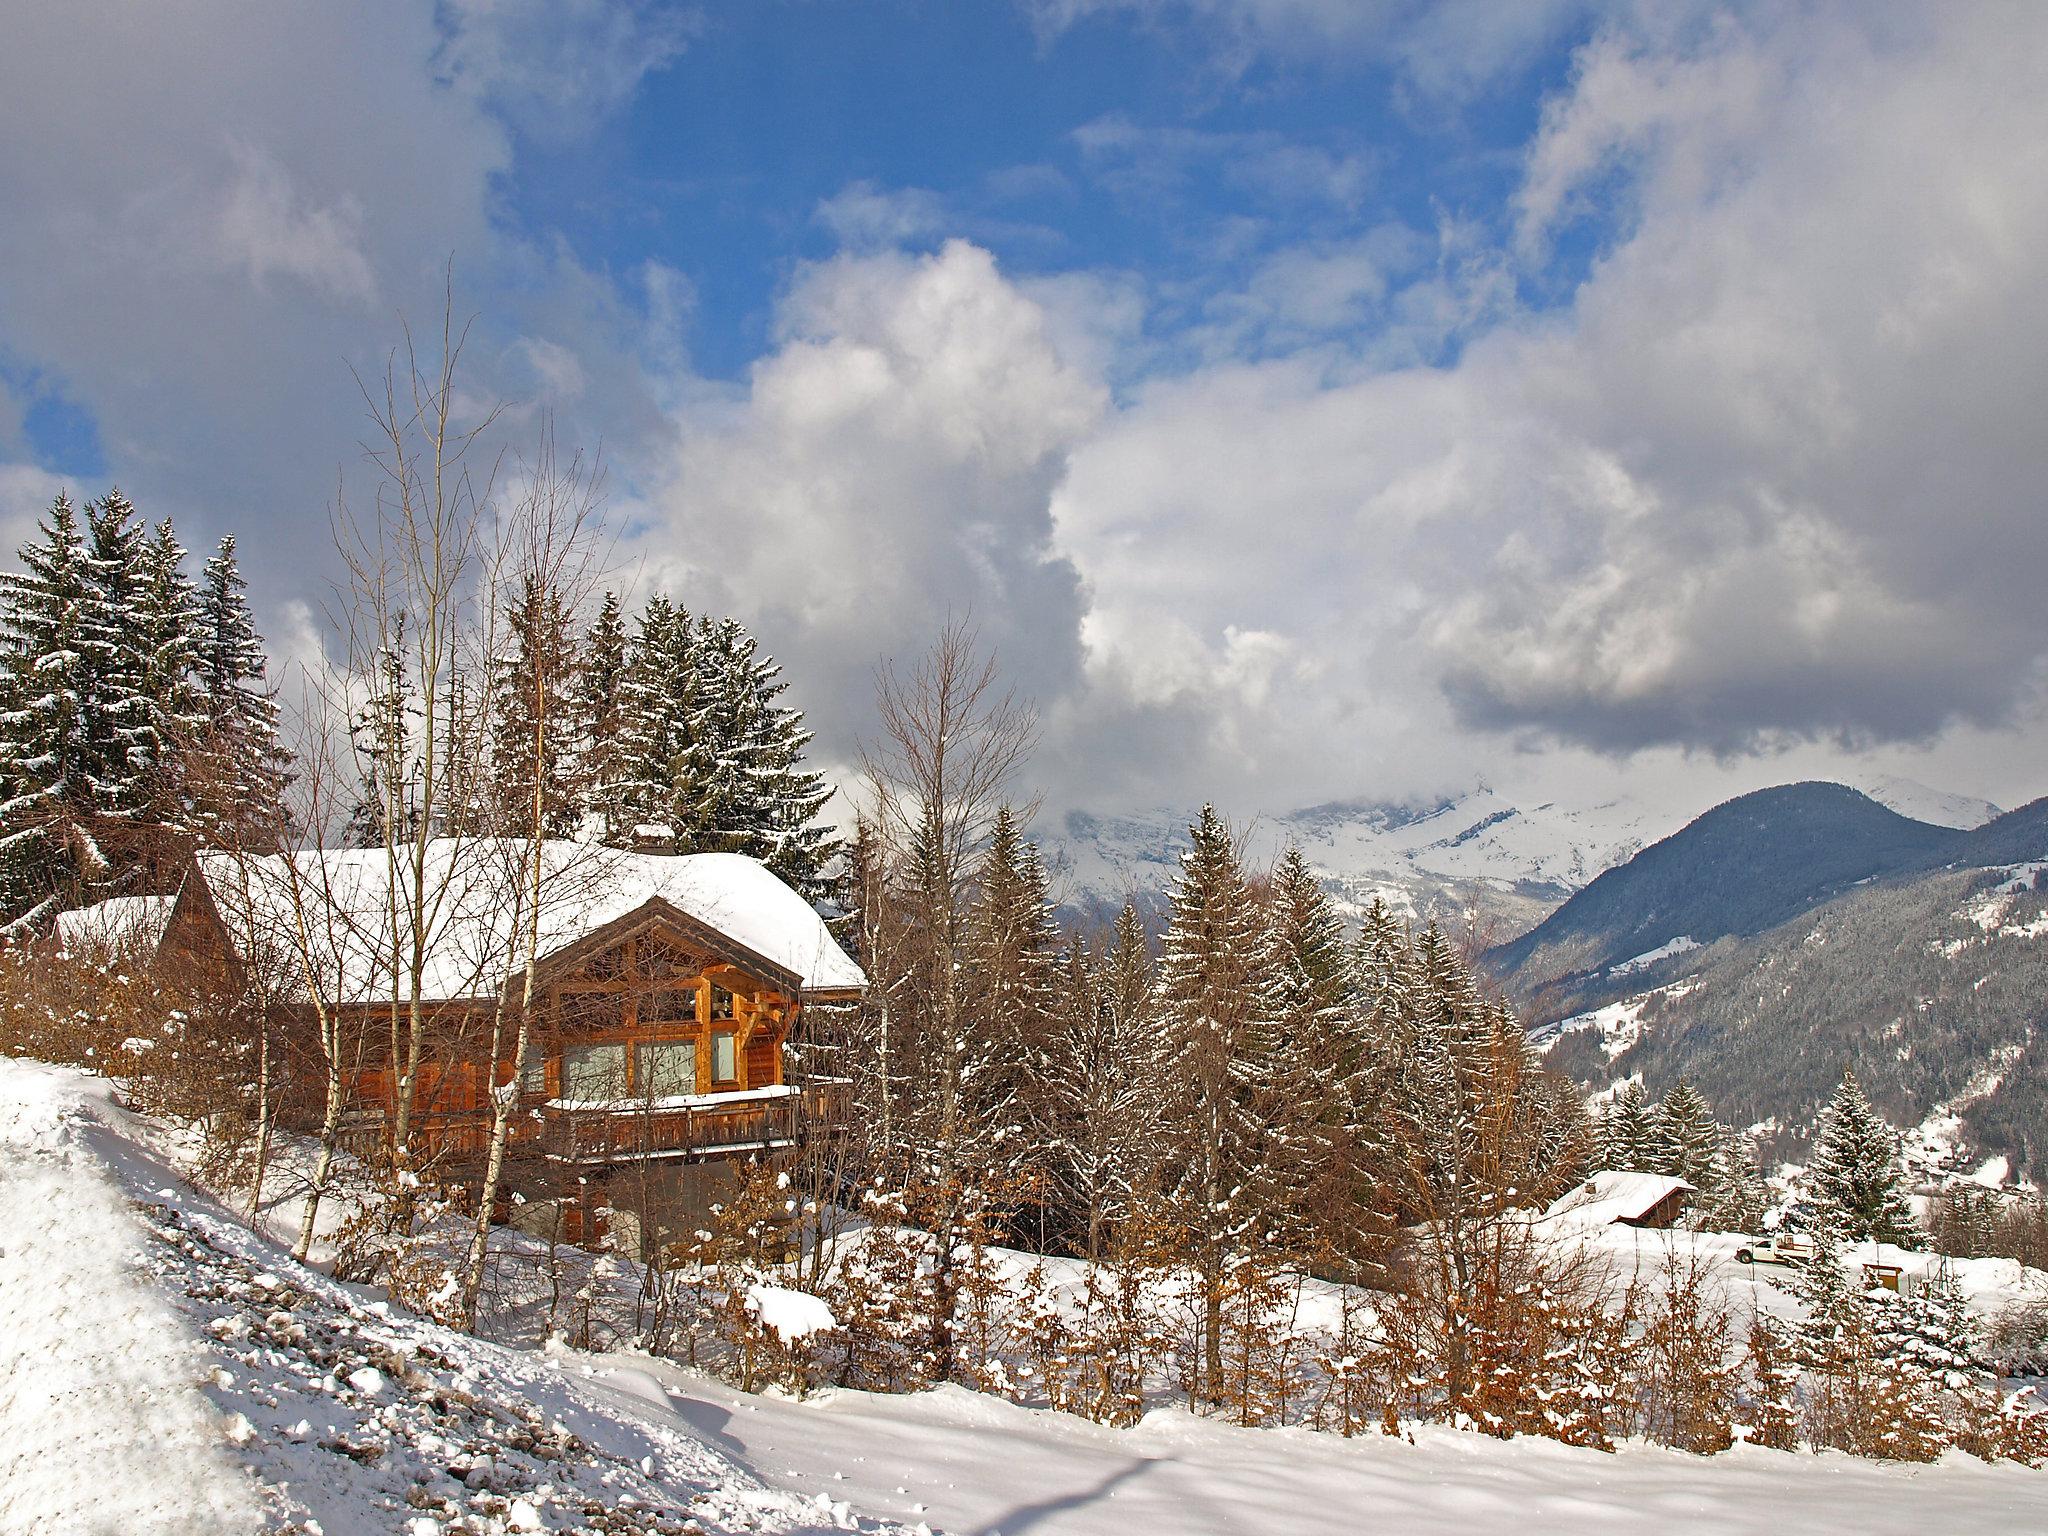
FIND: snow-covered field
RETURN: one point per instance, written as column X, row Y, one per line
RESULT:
column 163, row 1368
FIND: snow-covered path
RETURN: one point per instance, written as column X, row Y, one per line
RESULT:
column 165, row 1370
column 975, row 1465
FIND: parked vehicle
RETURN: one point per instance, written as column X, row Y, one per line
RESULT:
column 1775, row 1248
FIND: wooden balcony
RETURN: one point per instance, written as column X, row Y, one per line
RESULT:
column 711, row 1125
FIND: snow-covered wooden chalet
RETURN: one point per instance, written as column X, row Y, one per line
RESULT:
column 664, row 989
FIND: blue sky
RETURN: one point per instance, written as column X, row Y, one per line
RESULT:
column 721, row 164
column 1308, row 398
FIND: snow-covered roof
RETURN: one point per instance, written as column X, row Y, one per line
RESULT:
column 1613, row 1195
column 119, row 923
column 473, row 888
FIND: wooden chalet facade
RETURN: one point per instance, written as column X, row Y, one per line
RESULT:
column 665, row 989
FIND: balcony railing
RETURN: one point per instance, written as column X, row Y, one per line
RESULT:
column 706, row 1126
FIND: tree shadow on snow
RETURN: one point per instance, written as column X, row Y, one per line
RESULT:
column 1026, row 1516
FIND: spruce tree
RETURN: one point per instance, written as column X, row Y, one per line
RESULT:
column 173, row 718
column 122, row 759
column 1625, row 1130
column 600, row 719
column 1854, row 1183
column 1217, row 1038
column 533, row 722
column 1685, row 1139
column 1314, row 1152
column 243, row 767
column 54, row 648
column 1011, row 957
column 664, row 777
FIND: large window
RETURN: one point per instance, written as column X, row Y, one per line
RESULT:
column 725, row 1058
column 594, row 1073
column 665, row 1070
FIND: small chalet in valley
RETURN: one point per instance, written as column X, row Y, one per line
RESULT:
column 664, row 988
column 1617, row 1196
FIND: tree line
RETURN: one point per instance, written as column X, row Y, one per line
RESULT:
column 135, row 720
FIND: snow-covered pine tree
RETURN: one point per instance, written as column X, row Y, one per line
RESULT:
column 664, row 777
column 1684, row 1136
column 242, row 769
column 765, row 801
column 1217, row 1039
column 1854, row 1182
column 599, row 707
column 122, row 762
column 1933, row 1330
column 53, row 646
column 386, row 810
column 529, row 679
column 174, row 716
column 1737, row 1198
column 1097, row 1084
column 1314, row 1160
column 1012, row 954
column 1625, row 1129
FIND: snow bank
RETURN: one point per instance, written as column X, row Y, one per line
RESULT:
column 102, row 1428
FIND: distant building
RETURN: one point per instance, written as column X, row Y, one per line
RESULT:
column 1616, row 1196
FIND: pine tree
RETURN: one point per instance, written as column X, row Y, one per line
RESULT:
column 55, row 651
column 533, row 725
column 1737, row 1199
column 1854, row 1182
column 1934, row 1331
column 1217, row 1039
column 1684, row 1137
column 1625, row 1130
column 600, row 719
column 1098, row 1083
column 1011, row 957
column 386, row 809
column 664, row 778
column 243, row 767
column 124, row 761
column 1314, row 1163
column 173, row 715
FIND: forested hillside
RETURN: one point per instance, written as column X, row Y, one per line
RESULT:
column 1934, row 988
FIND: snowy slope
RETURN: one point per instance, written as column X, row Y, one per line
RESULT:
column 163, row 1369
column 1913, row 799
column 1474, row 853
column 346, row 1417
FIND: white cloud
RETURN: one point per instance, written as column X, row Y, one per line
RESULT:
column 892, row 461
column 557, row 68
column 1772, row 477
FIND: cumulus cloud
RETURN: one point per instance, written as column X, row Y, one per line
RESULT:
column 891, row 463
column 1771, row 476
column 253, row 196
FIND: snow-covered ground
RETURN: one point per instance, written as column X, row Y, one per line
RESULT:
column 164, row 1368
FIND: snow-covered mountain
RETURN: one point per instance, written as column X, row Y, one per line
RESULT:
column 1483, row 855
column 1477, row 855
column 1915, row 800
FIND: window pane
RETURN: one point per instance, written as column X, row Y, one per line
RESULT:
column 721, row 1003
column 594, row 1072
column 533, row 1081
column 664, row 1071
column 725, row 1060
column 669, row 1007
